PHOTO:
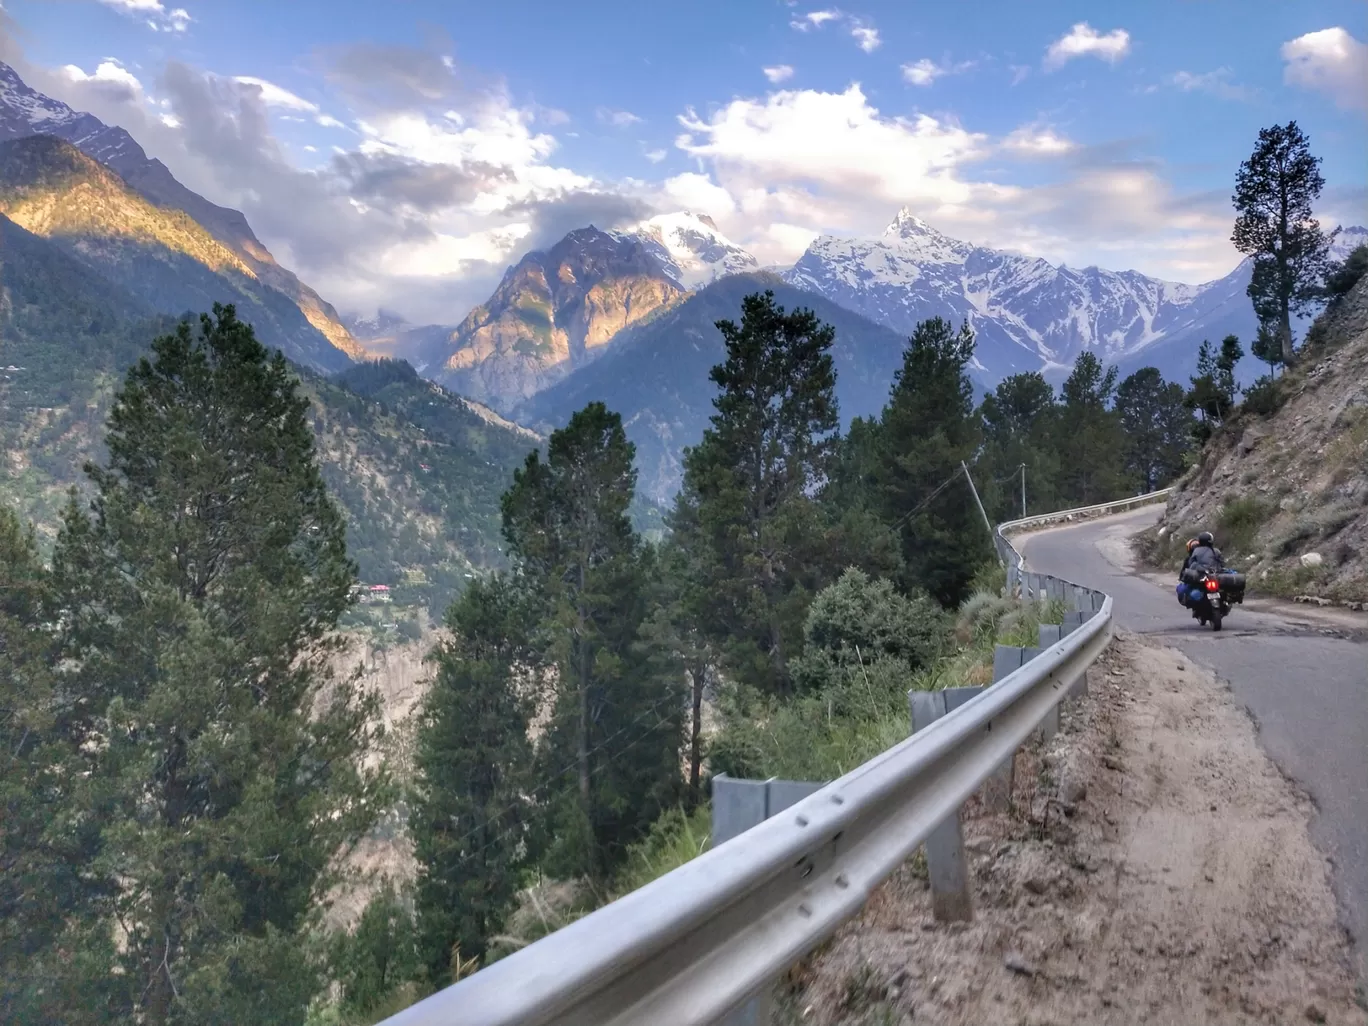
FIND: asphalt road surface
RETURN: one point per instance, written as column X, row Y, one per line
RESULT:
column 1303, row 677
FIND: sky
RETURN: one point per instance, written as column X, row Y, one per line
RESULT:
column 402, row 154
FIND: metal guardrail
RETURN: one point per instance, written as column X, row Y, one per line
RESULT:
column 691, row 946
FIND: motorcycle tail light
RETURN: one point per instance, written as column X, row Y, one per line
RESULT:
column 1213, row 586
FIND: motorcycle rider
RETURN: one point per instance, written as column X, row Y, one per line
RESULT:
column 1204, row 557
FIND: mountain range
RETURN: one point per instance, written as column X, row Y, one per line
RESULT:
column 101, row 248
column 313, row 335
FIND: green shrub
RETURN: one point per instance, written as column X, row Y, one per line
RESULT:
column 860, row 620
column 1344, row 276
column 1265, row 397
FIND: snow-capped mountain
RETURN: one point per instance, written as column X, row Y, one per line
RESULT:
column 1028, row 313
column 690, row 248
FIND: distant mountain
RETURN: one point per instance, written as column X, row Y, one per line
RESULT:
column 656, row 374
column 25, row 112
column 552, row 313
column 691, row 249
column 418, row 471
column 1222, row 309
column 1027, row 313
column 388, row 334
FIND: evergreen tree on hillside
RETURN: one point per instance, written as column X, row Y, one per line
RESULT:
column 1267, row 347
column 746, row 511
column 1018, row 421
column 1275, row 192
column 1157, row 428
column 1089, row 439
column 199, row 599
column 611, row 753
column 927, row 429
column 45, row 898
column 470, row 811
column 1214, row 389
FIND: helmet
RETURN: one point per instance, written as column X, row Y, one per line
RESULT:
column 1192, row 544
column 1206, row 538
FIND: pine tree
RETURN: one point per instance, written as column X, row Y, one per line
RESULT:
column 614, row 723
column 1090, row 443
column 746, row 510
column 928, row 428
column 1211, row 392
column 1275, row 192
column 1227, row 359
column 1156, row 425
column 45, row 898
column 470, row 811
column 1018, row 422
column 1267, row 347
column 199, row 601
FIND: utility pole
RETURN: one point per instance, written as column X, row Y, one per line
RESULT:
column 1023, row 491
column 986, row 522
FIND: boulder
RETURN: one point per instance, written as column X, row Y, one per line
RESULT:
column 1312, row 559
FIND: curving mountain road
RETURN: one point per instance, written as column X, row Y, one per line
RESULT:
column 1303, row 678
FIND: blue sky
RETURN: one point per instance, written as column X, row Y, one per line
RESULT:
column 404, row 152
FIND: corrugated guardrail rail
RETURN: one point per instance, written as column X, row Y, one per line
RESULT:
column 696, row 943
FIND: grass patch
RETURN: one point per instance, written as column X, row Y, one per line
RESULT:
column 1238, row 523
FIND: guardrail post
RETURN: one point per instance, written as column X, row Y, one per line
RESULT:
column 946, row 865
column 738, row 805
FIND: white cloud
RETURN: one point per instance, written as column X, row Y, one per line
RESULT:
column 862, row 30
column 617, row 118
column 158, row 17
column 328, row 121
column 275, row 96
column 1084, row 41
column 804, row 162
column 1217, row 83
column 926, row 71
column 692, row 191
column 1019, row 73
column 1038, row 141
column 1330, row 61
column 655, row 156
column 778, row 73
column 866, row 35
column 815, row 19
column 107, row 73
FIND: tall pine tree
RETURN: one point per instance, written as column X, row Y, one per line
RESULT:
column 1018, row 424
column 928, row 428
column 747, row 511
column 199, row 600
column 615, row 728
column 471, row 809
column 1156, row 426
column 1275, row 193
column 1090, row 443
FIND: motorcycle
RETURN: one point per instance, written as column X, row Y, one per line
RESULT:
column 1211, row 595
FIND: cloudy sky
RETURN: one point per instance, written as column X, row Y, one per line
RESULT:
column 403, row 153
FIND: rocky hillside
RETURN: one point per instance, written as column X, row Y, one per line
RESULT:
column 24, row 112
column 1284, row 483
column 553, row 313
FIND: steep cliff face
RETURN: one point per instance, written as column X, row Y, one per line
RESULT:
column 552, row 314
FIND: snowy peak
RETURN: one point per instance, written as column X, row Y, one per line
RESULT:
column 1028, row 314
column 1348, row 240
column 24, row 110
column 691, row 248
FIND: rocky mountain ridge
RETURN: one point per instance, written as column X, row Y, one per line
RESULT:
column 25, row 112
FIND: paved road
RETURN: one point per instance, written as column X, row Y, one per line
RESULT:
column 1307, row 691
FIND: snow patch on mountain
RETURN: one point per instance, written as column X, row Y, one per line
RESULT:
column 691, row 248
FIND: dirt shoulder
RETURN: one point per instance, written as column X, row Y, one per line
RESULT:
column 1157, row 869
